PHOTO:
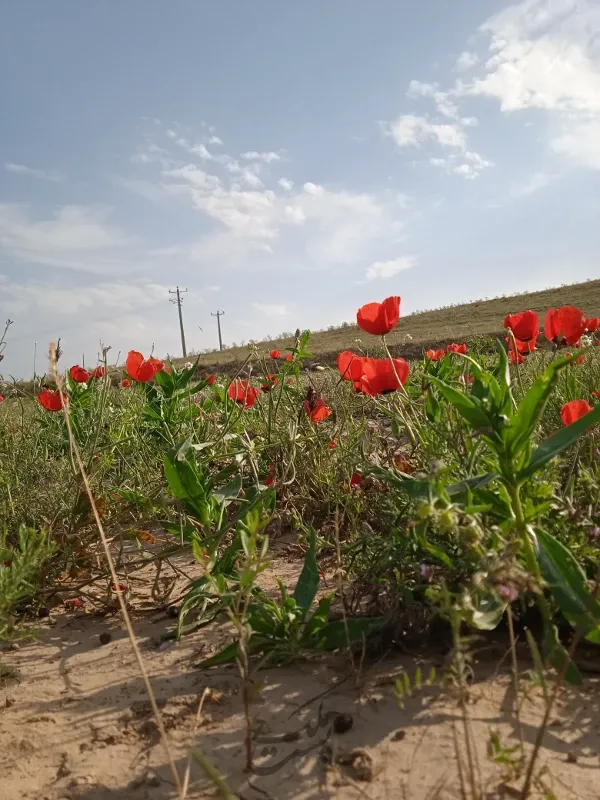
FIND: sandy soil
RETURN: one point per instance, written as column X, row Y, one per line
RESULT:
column 75, row 721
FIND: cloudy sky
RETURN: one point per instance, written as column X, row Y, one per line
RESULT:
column 286, row 162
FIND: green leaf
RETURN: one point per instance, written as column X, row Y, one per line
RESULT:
column 337, row 634
column 486, row 615
column 566, row 581
column 461, row 488
column 308, row 582
column 419, row 490
column 555, row 654
column 230, row 491
column 436, row 552
column 319, row 618
column 465, row 405
column 229, row 653
column 555, row 444
column 531, row 407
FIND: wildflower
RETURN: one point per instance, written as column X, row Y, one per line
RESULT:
column 210, row 379
column 426, row 571
column 275, row 354
column 596, row 395
column 242, row 393
column 123, row 588
column 98, row 372
column 457, row 348
column 50, row 399
column 515, row 357
column 350, row 365
column 332, row 445
column 1, row 398
column 316, row 409
column 574, row 410
column 565, row 325
column 594, row 534
column 525, row 326
column 125, row 383
column 435, row 355
column 592, row 324
column 79, row 375
column 523, row 347
column 508, row 593
column 270, row 480
column 379, row 318
column 289, row 357
column 73, row 602
column 356, row 480
column 380, row 375
column 141, row 369
column 271, row 383
column 578, row 360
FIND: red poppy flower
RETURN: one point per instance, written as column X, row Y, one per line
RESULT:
column 565, row 325
column 73, row 602
column 1, row 398
column 123, row 588
column 592, row 324
column 50, row 400
column 525, row 325
column 275, row 354
column 379, row 376
column 289, row 357
column 578, row 360
column 515, row 358
column 125, row 383
column 574, row 410
column 271, row 383
column 356, row 480
column 524, row 348
column 79, row 375
column 97, row 373
column 141, row 369
column 457, row 348
column 596, row 395
column 210, row 379
column 435, row 355
column 317, row 410
column 350, row 365
column 270, row 480
column 242, row 393
column 379, row 318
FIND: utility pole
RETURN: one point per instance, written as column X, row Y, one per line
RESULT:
column 179, row 300
column 218, row 315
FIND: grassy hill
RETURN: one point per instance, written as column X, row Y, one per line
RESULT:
column 439, row 327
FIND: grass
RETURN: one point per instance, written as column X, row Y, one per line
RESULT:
column 461, row 496
column 436, row 328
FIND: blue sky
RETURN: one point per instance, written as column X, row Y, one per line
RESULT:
column 286, row 162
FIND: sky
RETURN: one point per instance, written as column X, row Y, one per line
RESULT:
column 286, row 162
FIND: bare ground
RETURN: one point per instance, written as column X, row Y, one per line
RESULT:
column 75, row 721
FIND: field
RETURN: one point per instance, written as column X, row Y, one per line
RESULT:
column 321, row 575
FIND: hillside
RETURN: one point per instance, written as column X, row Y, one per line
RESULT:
column 430, row 328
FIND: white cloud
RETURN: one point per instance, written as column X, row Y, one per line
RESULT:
column 382, row 270
column 213, row 288
column 266, row 158
column 71, row 301
column 410, row 130
column 534, row 183
column 31, row 172
column 286, row 184
column 580, row 145
column 272, row 310
column 76, row 237
column 466, row 61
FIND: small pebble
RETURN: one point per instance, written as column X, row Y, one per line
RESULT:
column 342, row 723
column 105, row 637
column 173, row 612
column 571, row 758
column 398, row 735
column 43, row 612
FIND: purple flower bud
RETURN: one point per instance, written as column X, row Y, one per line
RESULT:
column 508, row 593
column 594, row 534
column 426, row 571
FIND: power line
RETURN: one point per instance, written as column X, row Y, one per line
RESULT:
column 179, row 300
column 218, row 315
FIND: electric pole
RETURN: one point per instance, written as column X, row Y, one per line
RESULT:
column 179, row 300
column 218, row 315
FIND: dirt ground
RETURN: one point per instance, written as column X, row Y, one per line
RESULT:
column 75, row 721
